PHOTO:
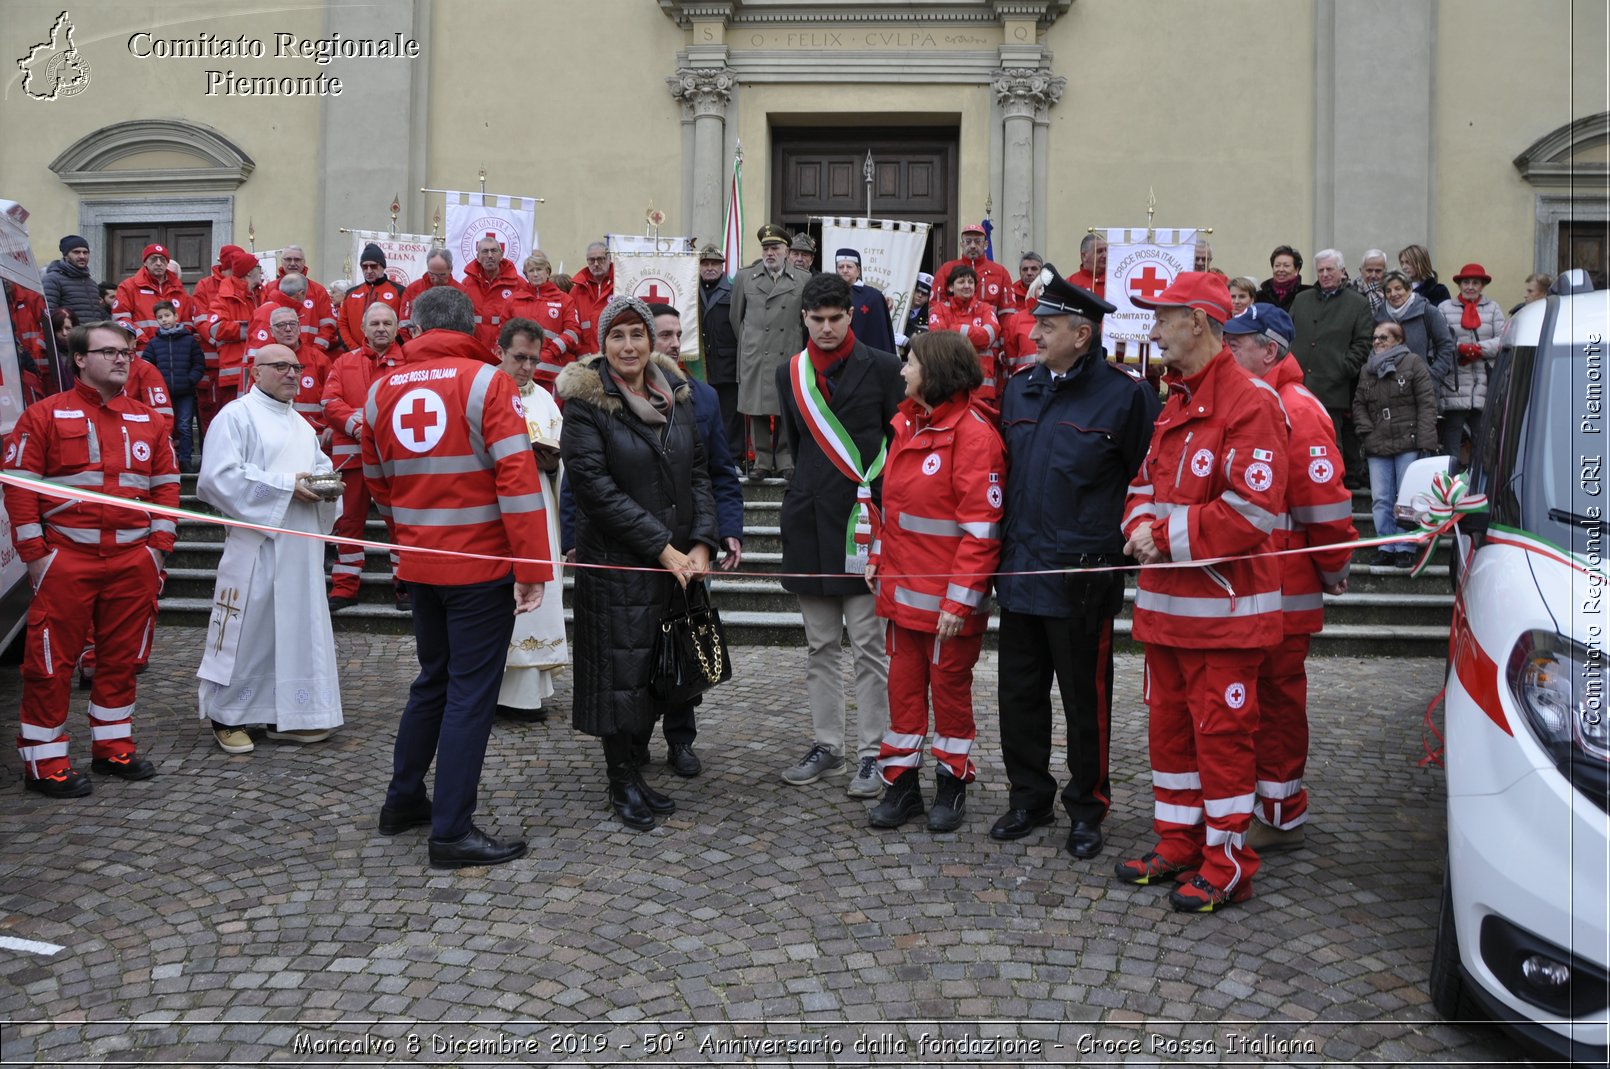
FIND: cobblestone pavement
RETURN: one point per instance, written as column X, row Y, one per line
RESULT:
column 243, row 910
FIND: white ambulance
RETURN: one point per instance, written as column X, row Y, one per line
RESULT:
column 18, row 269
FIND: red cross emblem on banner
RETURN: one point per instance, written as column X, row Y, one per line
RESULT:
column 1148, row 284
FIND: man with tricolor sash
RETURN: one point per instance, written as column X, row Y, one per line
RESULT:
column 837, row 397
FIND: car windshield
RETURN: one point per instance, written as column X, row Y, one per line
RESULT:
column 1568, row 502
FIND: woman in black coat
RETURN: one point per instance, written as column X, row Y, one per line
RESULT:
column 636, row 468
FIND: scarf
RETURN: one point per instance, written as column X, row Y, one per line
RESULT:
column 651, row 409
column 1283, row 290
column 1407, row 310
column 1470, row 319
column 827, row 364
column 1384, row 362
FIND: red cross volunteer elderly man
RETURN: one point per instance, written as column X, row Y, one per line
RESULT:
column 138, row 294
column 1318, row 512
column 91, row 565
column 1212, row 485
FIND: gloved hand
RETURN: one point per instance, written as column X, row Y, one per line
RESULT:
column 1469, row 353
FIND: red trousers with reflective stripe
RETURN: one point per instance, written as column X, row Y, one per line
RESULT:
column 350, row 524
column 920, row 665
column 1204, row 712
column 1282, row 738
column 115, row 595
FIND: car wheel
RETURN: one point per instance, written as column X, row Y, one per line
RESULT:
column 1449, row 992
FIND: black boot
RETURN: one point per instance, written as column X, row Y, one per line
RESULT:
column 624, row 795
column 950, row 804
column 657, row 802
column 901, row 802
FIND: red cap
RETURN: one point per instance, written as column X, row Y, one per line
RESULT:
column 1473, row 271
column 1194, row 289
column 974, row 228
column 226, row 252
column 153, row 250
column 241, row 263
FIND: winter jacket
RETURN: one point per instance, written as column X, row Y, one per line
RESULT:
column 449, row 463
column 1072, row 447
column 1018, row 351
column 29, row 320
column 1332, row 342
column 551, row 308
column 258, row 333
column 494, row 299
column 135, row 306
column 346, row 388
column 869, row 317
column 638, row 488
column 318, row 316
column 1433, row 291
column 177, row 354
column 228, row 329
column 976, row 321
column 866, row 395
column 1213, row 485
column 146, row 385
column 1318, row 507
column 940, row 540
column 309, row 399
column 1426, row 332
column 994, row 285
column 74, row 289
column 590, row 295
column 349, row 317
column 1464, row 386
column 415, row 288
column 1397, row 413
column 718, row 341
column 1266, row 293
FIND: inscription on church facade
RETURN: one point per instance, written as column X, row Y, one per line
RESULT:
column 938, row 39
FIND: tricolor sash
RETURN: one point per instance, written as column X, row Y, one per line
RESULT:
column 836, row 443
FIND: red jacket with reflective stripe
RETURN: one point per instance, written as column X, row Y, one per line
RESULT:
column 229, row 328
column 118, row 447
column 147, row 386
column 994, row 285
column 940, row 541
column 448, row 461
column 1319, row 509
column 976, row 320
column 349, row 321
column 590, row 295
column 1212, row 485
column 494, row 300
column 552, row 309
column 1018, row 352
column 346, row 388
column 135, row 306
column 309, row 399
column 415, row 288
column 28, row 320
column 258, row 333
column 318, row 317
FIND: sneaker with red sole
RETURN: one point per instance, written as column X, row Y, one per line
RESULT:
column 1199, row 896
column 1149, row 869
column 63, row 784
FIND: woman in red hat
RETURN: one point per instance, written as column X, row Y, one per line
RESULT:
column 1476, row 323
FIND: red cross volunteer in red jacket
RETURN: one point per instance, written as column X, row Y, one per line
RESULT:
column 938, row 546
column 135, row 305
column 1212, row 485
column 374, row 287
column 229, row 325
column 448, row 459
column 591, row 290
column 964, row 312
column 551, row 308
column 91, row 565
column 1318, row 512
column 994, row 280
column 318, row 320
column 494, row 287
column 438, row 272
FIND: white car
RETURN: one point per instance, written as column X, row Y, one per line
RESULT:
column 1524, row 932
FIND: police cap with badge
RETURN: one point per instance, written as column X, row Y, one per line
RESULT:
column 1060, row 297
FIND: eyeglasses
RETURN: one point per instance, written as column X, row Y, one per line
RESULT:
column 283, row 367
column 113, row 353
column 525, row 358
column 1384, row 337
column 598, row 259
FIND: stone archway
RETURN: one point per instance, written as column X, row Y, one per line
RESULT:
column 1569, row 168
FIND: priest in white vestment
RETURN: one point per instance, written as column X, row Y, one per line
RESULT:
column 537, row 651
column 270, row 654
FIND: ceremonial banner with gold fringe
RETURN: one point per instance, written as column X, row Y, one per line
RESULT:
column 405, row 254
column 473, row 216
column 665, row 278
column 891, row 254
column 1141, row 263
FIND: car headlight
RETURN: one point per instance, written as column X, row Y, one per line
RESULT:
column 1559, row 685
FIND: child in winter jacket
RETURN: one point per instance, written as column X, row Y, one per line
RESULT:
column 1395, row 411
column 176, row 353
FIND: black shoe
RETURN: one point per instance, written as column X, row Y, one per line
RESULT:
column 85, row 679
column 339, row 603
column 127, row 767
column 1084, row 840
column 475, row 848
column 64, row 784
column 950, row 805
column 395, row 821
column 1405, row 560
column 1385, row 558
column 1016, row 823
column 657, row 802
column 683, row 761
column 640, row 755
column 523, row 716
column 404, row 600
column 901, row 802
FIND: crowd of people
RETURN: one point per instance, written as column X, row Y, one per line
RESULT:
column 985, row 445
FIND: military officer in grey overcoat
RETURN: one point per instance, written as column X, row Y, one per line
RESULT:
column 766, row 315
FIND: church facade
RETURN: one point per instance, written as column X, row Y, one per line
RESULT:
column 1346, row 123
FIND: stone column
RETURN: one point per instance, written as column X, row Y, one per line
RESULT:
column 1023, row 93
column 706, row 91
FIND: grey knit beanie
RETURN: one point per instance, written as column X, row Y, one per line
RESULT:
column 615, row 307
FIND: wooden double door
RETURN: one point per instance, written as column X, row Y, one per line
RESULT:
column 822, row 171
column 189, row 243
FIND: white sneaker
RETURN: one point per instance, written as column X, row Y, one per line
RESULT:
column 233, row 740
column 818, row 762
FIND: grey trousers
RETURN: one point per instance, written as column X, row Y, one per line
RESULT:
column 826, row 620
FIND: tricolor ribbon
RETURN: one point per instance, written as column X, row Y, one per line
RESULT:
column 841, row 451
column 1451, row 499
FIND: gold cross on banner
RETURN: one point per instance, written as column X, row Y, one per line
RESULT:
column 228, row 606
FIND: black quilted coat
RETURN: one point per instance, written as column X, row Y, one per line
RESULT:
column 635, row 490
